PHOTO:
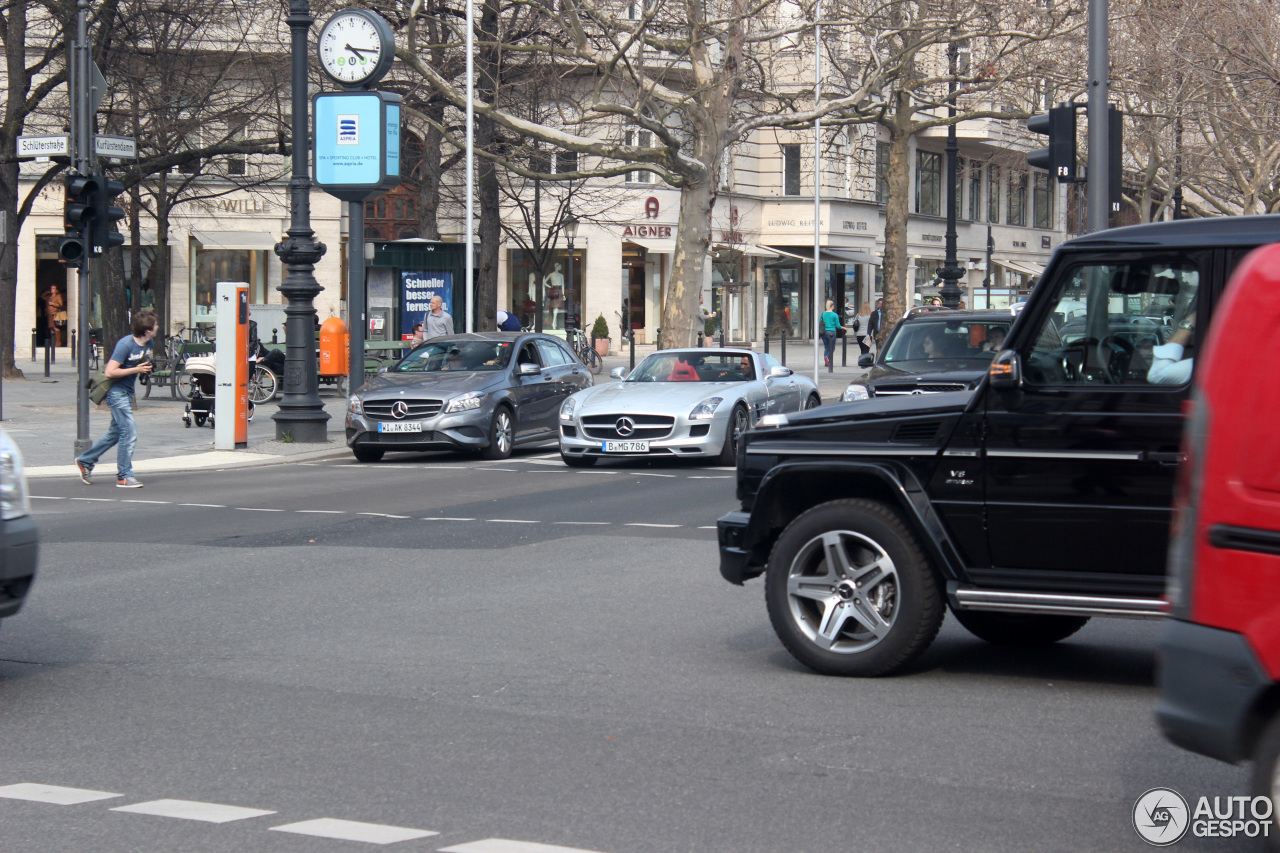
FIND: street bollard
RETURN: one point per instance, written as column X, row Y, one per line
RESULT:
column 784, row 349
column 46, row 357
column 53, row 356
column 631, row 336
column 73, row 346
column 33, row 344
column 722, row 335
column 844, row 350
column 766, row 341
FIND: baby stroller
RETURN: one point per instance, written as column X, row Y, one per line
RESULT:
column 197, row 384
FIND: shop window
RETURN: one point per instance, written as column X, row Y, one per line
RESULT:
column 559, row 298
column 215, row 265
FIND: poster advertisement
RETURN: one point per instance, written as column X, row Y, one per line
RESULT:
column 416, row 290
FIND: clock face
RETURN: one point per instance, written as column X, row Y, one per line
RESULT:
column 353, row 49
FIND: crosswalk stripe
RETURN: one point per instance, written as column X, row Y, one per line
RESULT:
column 510, row 521
column 193, row 810
column 354, row 830
column 55, row 794
column 506, row 845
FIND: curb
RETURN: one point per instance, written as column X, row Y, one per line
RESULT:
column 213, row 460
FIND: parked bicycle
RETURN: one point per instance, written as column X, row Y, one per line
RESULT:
column 581, row 346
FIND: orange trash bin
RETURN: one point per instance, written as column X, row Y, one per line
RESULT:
column 335, row 343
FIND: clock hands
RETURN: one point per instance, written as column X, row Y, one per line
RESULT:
column 360, row 51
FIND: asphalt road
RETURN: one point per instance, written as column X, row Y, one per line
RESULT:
column 518, row 651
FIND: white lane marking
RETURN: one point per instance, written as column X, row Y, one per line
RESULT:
column 192, row 810
column 605, row 523
column 589, row 473
column 707, row 527
column 643, row 474
column 207, row 506
column 510, row 521
column 642, row 524
column 446, row 518
column 323, row 511
column 550, row 460
column 98, row 500
column 552, row 455
column 128, row 501
column 382, row 515
column 55, row 794
column 721, row 477
column 46, row 498
column 508, row 470
column 257, row 509
column 506, row 845
column 354, row 830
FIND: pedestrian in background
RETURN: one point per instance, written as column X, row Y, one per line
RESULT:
column 830, row 327
column 507, row 322
column 417, row 335
column 877, row 319
column 438, row 322
column 862, row 329
column 131, row 356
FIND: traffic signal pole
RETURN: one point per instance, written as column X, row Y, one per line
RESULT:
column 1099, row 120
column 82, row 141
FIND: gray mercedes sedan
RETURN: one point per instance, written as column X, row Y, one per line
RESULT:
column 489, row 392
column 687, row 403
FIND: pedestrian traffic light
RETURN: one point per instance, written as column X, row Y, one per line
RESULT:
column 1059, row 159
column 1115, row 159
column 77, row 214
column 102, row 237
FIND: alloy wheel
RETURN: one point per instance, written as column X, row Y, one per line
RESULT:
column 842, row 591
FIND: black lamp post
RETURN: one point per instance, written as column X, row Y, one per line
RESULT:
column 301, row 416
column 950, row 273
column 570, row 233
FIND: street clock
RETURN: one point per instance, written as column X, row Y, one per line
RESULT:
column 356, row 47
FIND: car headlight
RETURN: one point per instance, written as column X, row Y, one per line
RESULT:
column 706, row 409
column 855, row 392
column 465, row 403
column 14, row 502
column 355, row 405
column 566, row 409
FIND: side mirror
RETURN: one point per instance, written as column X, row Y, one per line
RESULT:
column 779, row 372
column 618, row 373
column 867, row 360
column 1005, row 373
column 528, row 368
column 382, row 368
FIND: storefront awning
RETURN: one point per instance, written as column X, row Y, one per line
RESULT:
column 256, row 240
column 658, row 247
column 829, row 256
column 1024, row 267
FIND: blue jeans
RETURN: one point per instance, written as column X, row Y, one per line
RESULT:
column 829, row 343
column 123, row 434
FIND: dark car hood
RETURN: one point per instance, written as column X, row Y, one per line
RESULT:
column 910, row 405
column 942, row 372
column 444, row 384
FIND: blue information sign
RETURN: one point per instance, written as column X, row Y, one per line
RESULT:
column 357, row 143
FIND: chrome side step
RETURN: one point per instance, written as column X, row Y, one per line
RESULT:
column 1066, row 604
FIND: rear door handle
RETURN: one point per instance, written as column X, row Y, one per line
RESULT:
column 1170, row 458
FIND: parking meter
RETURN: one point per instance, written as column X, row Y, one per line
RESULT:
column 231, row 397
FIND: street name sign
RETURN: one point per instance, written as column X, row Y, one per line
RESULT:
column 115, row 146
column 44, row 146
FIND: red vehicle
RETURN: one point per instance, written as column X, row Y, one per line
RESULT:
column 1220, row 653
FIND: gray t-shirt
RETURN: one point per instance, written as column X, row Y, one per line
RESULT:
column 129, row 353
column 434, row 327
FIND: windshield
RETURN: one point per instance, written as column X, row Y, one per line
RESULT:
column 694, row 367
column 947, row 344
column 456, row 355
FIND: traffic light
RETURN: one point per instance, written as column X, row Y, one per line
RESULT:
column 1059, row 159
column 77, row 214
column 102, row 237
column 1115, row 159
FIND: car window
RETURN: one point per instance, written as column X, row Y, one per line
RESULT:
column 551, row 354
column 939, row 343
column 1118, row 324
column 455, row 355
column 694, row 367
column 565, row 354
column 529, row 354
column 770, row 362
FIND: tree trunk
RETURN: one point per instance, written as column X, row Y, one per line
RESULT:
column 490, row 232
column 895, row 218
column 681, row 320
column 429, row 177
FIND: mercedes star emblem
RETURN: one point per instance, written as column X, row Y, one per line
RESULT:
column 400, row 409
column 625, row 426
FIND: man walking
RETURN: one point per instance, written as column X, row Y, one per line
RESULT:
column 437, row 322
column 131, row 356
column 877, row 318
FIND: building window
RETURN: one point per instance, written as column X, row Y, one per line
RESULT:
column 641, row 139
column 975, row 191
column 928, row 183
column 566, row 161
column 1042, row 200
column 882, row 173
column 993, row 193
column 791, row 170
column 1017, row 198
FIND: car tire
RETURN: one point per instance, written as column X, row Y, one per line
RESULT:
column 1019, row 629
column 871, row 616
column 581, row 460
column 813, row 402
column 367, row 454
column 502, row 434
column 739, row 423
column 1264, row 777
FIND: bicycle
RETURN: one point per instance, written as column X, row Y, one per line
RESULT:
column 585, row 351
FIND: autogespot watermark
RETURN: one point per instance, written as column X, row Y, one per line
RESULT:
column 1162, row 817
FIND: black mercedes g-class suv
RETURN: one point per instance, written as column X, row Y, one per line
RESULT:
column 1026, row 505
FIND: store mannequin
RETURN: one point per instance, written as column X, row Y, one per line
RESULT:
column 555, row 296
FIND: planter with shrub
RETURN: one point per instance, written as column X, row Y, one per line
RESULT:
column 600, row 336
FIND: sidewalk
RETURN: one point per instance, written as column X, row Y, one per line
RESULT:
column 39, row 413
